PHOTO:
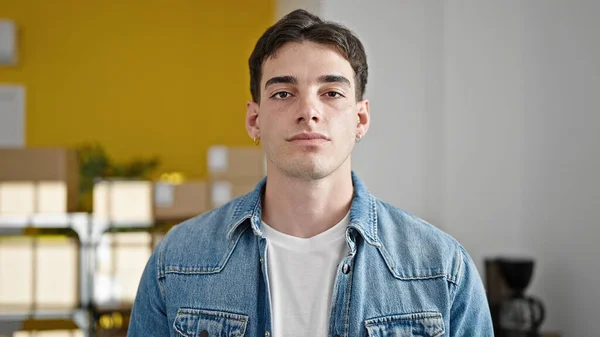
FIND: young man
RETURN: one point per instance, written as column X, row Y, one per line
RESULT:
column 309, row 252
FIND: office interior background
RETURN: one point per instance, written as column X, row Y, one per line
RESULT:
column 485, row 123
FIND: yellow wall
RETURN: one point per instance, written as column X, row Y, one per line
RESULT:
column 142, row 77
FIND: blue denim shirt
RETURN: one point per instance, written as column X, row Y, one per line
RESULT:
column 402, row 277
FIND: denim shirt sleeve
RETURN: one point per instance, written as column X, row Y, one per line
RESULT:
column 148, row 316
column 470, row 312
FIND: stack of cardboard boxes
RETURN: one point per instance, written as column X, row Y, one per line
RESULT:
column 124, row 203
column 120, row 261
column 233, row 171
column 140, row 203
column 176, row 201
column 38, row 272
column 42, row 181
column 44, row 271
column 56, row 272
column 121, row 257
column 45, row 181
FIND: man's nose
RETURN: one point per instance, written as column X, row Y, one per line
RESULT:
column 308, row 110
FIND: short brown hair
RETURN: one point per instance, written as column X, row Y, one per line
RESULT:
column 299, row 26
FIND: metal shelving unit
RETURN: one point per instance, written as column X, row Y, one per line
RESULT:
column 88, row 233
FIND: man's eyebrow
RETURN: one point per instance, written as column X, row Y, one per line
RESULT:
column 281, row 79
column 334, row 79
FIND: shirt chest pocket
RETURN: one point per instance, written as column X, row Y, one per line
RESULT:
column 207, row 323
column 422, row 324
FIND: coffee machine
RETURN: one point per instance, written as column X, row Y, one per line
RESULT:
column 514, row 314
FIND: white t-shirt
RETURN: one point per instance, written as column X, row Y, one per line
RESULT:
column 301, row 273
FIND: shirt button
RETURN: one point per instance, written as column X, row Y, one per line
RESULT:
column 203, row 333
column 267, row 334
column 346, row 268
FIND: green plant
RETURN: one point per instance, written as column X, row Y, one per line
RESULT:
column 94, row 164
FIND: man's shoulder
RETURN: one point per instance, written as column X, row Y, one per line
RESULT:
column 200, row 242
column 414, row 247
column 210, row 223
column 399, row 222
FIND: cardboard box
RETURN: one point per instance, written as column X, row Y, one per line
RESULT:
column 127, row 202
column 52, row 197
column 130, row 263
column 121, row 260
column 17, row 198
column 180, row 201
column 16, row 273
column 225, row 163
column 223, row 191
column 25, row 198
column 41, row 273
column 56, row 165
column 57, row 273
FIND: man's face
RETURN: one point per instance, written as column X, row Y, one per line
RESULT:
column 308, row 117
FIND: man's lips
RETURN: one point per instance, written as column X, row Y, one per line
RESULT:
column 308, row 136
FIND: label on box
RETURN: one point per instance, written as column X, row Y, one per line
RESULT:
column 52, row 197
column 17, row 198
column 221, row 193
column 164, row 194
column 131, row 203
column 103, row 288
column 217, row 159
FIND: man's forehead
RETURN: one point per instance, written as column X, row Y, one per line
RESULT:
column 306, row 61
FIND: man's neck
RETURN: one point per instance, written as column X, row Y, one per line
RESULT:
column 307, row 208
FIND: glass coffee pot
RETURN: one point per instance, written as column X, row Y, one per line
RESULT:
column 519, row 315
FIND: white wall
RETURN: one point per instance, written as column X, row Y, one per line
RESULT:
column 484, row 102
column 12, row 115
column 400, row 159
column 561, row 158
column 486, row 123
column 521, row 146
column 282, row 7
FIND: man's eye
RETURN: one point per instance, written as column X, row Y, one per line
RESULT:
column 281, row 95
column 334, row 94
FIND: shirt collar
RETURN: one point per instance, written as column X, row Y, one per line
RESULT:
column 363, row 211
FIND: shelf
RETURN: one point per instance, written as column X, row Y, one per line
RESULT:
column 21, row 315
column 11, row 322
column 71, row 224
column 82, row 223
column 59, row 220
column 89, row 316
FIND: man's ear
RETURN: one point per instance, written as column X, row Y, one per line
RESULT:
column 364, row 118
column 252, row 122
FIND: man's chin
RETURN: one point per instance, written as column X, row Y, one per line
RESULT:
column 307, row 172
